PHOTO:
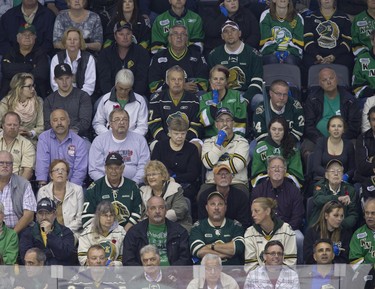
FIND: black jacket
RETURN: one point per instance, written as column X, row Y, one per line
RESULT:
column 109, row 63
column 349, row 109
column 177, row 244
column 60, row 249
column 364, row 150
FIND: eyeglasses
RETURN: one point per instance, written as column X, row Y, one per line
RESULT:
column 274, row 254
column 30, row 86
column 117, row 120
column 279, row 94
column 59, row 170
column 277, row 168
column 7, row 164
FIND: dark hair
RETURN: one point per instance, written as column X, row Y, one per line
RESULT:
column 273, row 243
column 322, row 240
column 372, row 110
column 287, row 143
column 118, row 15
column 321, row 223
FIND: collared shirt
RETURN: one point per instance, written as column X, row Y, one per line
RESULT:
column 22, row 150
column 73, row 149
column 29, row 203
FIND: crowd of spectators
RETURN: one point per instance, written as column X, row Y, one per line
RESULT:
column 133, row 123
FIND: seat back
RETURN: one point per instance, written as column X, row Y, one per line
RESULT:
column 342, row 73
column 287, row 72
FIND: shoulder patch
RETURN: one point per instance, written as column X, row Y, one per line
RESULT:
column 259, row 109
column 361, row 235
column 91, row 186
column 164, row 22
column 256, row 52
column 297, row 104
column 261, row 149
column 154, row 96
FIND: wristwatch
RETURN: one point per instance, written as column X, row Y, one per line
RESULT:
column 213, row 246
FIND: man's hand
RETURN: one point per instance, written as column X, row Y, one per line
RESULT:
column 46, row 226
column 191, row 87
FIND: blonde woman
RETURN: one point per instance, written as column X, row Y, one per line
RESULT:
column 80, row 61
column 158, row 183
column 23, row 100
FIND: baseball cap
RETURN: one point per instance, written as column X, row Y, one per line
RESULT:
column 229, row 23
column 46, row 204
column 114, row 159
column 213, row 194
column 218, row 168
column 122, row 25
column 222, row 111
column 27, row 27
column 62, row 69
column 333, row 161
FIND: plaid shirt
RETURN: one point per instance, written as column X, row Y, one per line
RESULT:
column 258, row 278
column 29, row 203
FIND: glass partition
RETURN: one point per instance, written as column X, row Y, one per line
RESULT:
column 309, row 277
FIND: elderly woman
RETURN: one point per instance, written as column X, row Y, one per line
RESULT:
column 180, row 157
column 23, row 100
column 281, row 33
column 67, row 196
column 122, row 96
column 80, row 61
column 105, row 231
column 267, row 226
column 8, row 241
column 158, row 183
column 85, row 20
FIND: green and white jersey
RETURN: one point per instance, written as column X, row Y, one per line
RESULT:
column 362, row 246
column 364, row 75
column 245, row 68
column 292, row 112
column 160, row 28
column 204, row 232
column 362, row 25
column 281, row 35
column 126, row 199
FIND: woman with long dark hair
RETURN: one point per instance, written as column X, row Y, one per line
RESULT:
column 278, row 142
column 127, row 11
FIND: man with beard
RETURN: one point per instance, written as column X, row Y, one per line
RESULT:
column 60, row 142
